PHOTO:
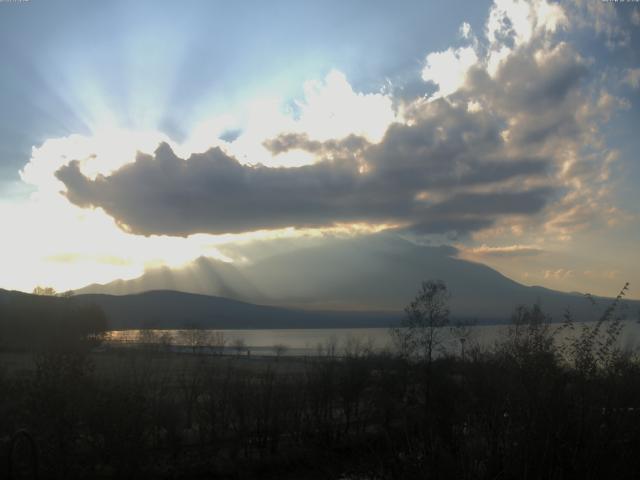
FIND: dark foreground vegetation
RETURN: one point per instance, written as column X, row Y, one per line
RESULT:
column 527, row 408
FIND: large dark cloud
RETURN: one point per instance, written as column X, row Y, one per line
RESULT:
column 449, row 168
column 214, row 193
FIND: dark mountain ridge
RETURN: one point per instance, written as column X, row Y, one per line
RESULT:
column 379, row 273
column 166, row 309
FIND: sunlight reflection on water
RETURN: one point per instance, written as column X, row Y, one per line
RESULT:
column 300, row 342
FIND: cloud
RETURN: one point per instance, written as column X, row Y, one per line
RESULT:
column 511, row 134
column 292, row 141
column 214, row 193
column 506, row 251
column 516, row 23
column 605, row 18
column 465, row 30
column 329, row 109
column 449, row 69
column 559, row 274
column 332, row 109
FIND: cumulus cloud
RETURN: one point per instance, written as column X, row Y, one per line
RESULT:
column 329, row 109
column 214, row 193
column 509, row 134
column 516, row 23
column 448, row 69
column 332, row 109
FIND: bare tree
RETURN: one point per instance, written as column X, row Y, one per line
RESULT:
column 239, row 345
column 217, row 342
column 195, row 338
column 165, row 340
column 420, row 332
column 148, row 339
column 280, row 349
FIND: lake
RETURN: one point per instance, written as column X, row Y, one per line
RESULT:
column 301, row 342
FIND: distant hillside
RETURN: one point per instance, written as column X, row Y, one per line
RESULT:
column 377, row 273
column 171, row 309
column 34, row 322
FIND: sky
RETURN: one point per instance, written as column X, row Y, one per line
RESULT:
column 140, row 134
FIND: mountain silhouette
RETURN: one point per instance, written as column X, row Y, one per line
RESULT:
column 375, row 273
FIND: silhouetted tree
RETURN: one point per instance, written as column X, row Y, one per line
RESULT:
column 35, row 322
column 239, row 345
column 420, row 330
column 280, row 349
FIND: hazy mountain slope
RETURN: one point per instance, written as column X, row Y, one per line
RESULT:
column 170, row 309
column 373, row 273
column 385, row 273
column 381, row 273
column 204, row 276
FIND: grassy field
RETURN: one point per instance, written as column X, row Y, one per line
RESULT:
column 520, row 410
column 530, row 406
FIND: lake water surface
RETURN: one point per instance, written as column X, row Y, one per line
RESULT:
column 302, row 342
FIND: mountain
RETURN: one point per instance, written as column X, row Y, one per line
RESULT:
column 203, row 276
column 375, row 273
column 171, row 309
